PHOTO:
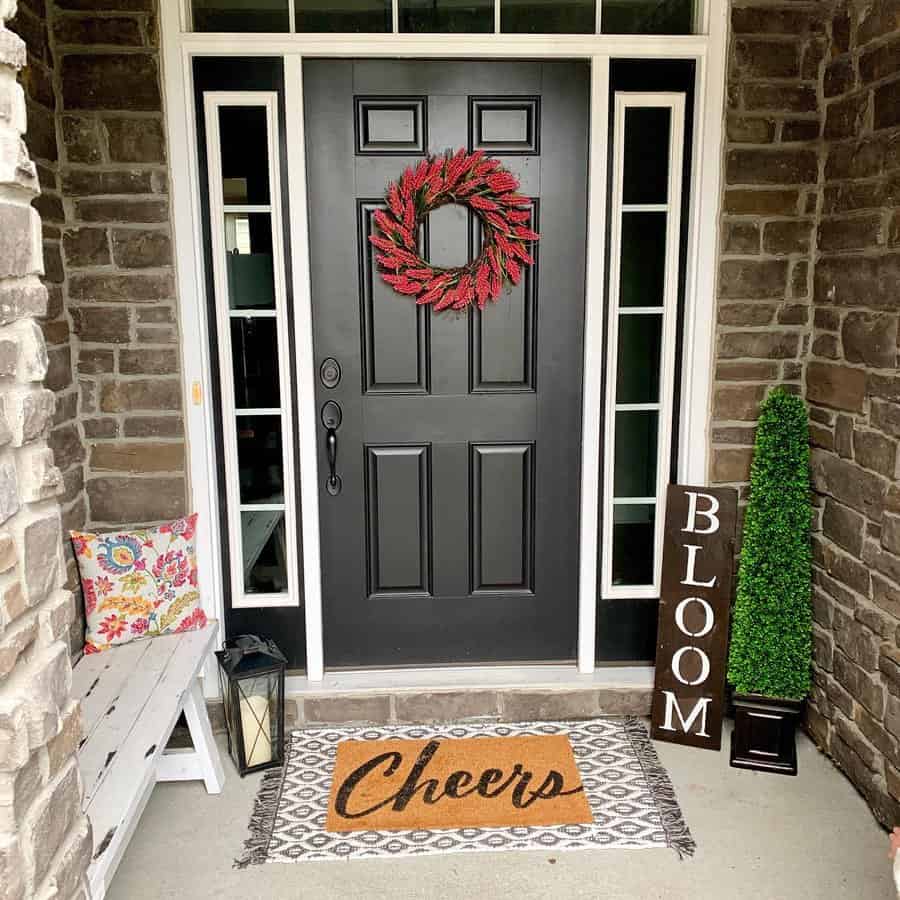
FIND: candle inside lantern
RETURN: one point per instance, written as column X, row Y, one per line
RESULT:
column 256, row 730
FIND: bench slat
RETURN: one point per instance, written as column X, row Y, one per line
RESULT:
column 99, row 678
column 99, row 751
column 119, row 796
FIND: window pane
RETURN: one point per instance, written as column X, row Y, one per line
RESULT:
column 251, row 274
column 647, row 16
column 343, row 15
column 537, row 17
column 264, row 556
column 635, row 465
column 241, row 15
column 245, row 154
column 640, row 343
column 643, row 269
column 254, row 356
column 646, row 176
column 260, row 463
column 633, row 544
column 447, row 15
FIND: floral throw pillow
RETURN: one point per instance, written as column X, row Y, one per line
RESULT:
column 140, row 583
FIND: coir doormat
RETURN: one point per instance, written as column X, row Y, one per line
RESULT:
column 357, row 792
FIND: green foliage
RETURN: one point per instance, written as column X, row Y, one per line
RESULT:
column 771, row 641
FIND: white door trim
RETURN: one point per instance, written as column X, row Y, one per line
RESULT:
column 178, row 49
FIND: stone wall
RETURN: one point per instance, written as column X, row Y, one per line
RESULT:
column 45, row 841
column 854, row 394
column 117, row 260
column 769, row 206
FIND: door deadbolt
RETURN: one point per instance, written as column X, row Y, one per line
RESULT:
column 330, row 373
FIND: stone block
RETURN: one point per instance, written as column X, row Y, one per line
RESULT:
column 745, row 370
column 86, row 247
column 106, row 288
column 887, row 105
column 844, row 526
column 9, row 487
column 758, row 344
column 102, row 209
column 738, row 402
column 102, row 324
column 850, row 233
column 885, row 416
column 93, row 30
column 141, row 248
column 12, row 867
column 845, row 569
column 889, row 666
column 779, row 97
column 141, row 394
column 21, row 241
column 153, row 426
column 853, row 738
column 798, row 130
column 839, row 77
column 158, row 361
column 111, row 81
column 66, row 444
column 839, row 387
column 67, row 876
column 740, row 237
column 32, row 360
column 772, row 167
column 54, row 813
column 137, row 457
column 730, row 465
column 766, row 59
column 858, row 281
column 761, row 202
column 744, row 279
column 750, row 130
column 135, row 140
column 844, row 118
column 345, row 708
column 38, row 544
column 745, row 314
column 870, row 338
column 446, row 706
column 785, row 237
column 130, row 500
column 854, row 639
column 19, row 299
column 81, row 137
column 27, row 412
column 14, row 641
column 826, row 345
column 875, row 451
column 528, row 706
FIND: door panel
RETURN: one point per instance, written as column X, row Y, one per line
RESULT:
column 454, row 538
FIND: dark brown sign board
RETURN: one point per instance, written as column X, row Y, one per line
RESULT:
column 694, row 609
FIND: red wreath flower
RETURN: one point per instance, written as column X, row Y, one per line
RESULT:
column 471, row 180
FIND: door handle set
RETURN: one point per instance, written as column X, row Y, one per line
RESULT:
column 331, row 419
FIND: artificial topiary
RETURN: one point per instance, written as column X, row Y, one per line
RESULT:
column 771, row 641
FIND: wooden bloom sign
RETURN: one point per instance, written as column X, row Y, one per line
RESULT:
column 467, row 179
column 692, row 637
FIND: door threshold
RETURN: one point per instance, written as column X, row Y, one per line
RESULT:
column 472, row 678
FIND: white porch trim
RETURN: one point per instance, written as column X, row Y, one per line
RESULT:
column 178, row 49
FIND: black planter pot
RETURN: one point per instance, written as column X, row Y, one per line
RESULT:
column 763, row 737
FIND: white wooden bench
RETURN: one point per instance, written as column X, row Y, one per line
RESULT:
column 131, row 698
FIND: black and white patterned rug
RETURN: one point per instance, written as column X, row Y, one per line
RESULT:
column 630, row 795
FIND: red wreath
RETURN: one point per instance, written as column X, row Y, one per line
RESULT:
column 485, row 187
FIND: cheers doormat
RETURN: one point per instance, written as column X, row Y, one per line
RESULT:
column 355, row 792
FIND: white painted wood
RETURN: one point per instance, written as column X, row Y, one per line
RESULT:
column 473, row 678
column 676, row 104
column 702, row 271
column 129, row 730
column 268, row 100
column 307, row 416
column 206, row 751
column 592, row 402
column 180, row 765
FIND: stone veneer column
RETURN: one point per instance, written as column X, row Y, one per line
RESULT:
column 854, row 394
column 45, row 840
column 768, row 219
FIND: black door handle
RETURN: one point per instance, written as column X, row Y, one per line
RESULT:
column 331, row 419
column 331, row 450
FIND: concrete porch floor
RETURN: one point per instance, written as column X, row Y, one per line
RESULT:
column 764, row 837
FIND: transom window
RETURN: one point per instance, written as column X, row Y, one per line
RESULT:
column 448, row 16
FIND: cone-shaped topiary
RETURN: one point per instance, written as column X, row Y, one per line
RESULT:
column 771, row 640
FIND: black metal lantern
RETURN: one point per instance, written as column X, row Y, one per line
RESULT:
column 251, row 672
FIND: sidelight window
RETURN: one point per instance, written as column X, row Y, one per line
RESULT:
column 648, row 146
column 448, row 16
column 252, row 346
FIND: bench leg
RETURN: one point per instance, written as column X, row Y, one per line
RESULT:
column 203, row 740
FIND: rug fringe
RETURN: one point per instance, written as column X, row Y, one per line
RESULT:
column 262, row 819
column 678, row 835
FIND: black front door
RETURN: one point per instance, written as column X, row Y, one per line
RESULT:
column 454, row 538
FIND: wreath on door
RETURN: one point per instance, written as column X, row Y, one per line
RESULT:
column 471, row 180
